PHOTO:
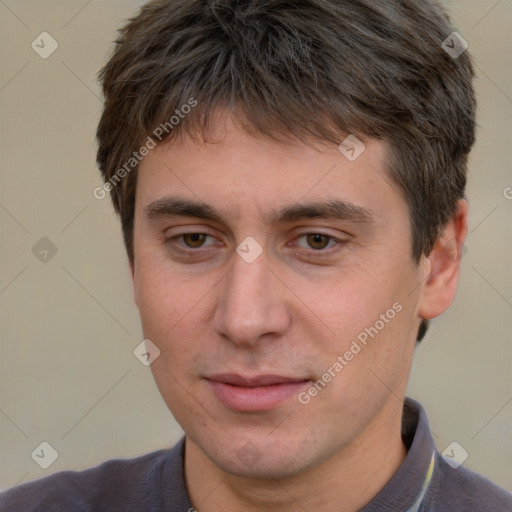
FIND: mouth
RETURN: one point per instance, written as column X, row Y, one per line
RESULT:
column 254, row 394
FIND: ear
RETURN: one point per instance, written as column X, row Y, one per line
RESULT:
column 440, row 285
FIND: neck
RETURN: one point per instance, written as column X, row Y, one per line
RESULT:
column 345, row 482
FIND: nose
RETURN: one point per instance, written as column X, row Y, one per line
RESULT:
column 251, row 303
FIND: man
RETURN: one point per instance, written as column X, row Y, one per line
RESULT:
column 290, row 181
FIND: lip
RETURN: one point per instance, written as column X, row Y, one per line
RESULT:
column 254, row 394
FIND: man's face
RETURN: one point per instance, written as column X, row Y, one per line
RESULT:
column 244, row 336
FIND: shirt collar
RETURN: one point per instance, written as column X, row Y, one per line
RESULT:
column 409, row 485
column 404, row 492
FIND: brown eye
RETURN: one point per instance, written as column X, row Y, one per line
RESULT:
column 318, row 241
column 194, row 240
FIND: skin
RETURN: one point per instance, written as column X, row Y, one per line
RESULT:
column 291, row 312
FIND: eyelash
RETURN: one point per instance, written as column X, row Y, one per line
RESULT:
column 311, row 252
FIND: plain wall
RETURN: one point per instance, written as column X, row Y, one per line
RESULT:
column 68, row 375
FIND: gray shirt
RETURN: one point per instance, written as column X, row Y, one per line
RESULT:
column 155, row 483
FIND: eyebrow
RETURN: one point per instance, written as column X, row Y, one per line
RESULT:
column 329, row 209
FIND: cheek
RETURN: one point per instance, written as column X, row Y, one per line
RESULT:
column 354, row 301
column 173, row 311
column 373, row 307
column 162, row 296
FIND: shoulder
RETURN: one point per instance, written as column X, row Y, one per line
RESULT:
column 462, row 489
column 118, row 484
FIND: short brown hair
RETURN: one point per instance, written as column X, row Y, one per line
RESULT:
column 309, row 69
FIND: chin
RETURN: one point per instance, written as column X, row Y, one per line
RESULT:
column 259, row 457
column 270, row 466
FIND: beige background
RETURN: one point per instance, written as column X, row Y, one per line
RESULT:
column 68, row 326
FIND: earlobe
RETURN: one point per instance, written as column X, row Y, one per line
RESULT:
column 440, row 285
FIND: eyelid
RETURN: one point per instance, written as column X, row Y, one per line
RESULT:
column 187, row 229
column 174, row 239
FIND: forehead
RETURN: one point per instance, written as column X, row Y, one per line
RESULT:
column 239, row 172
